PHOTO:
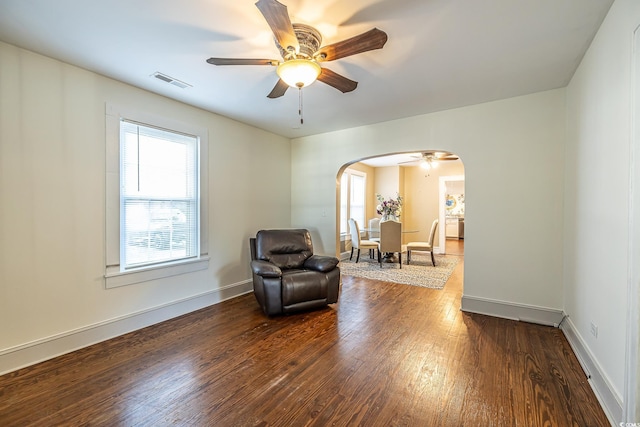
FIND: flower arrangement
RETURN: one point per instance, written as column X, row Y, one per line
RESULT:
column 390, row 207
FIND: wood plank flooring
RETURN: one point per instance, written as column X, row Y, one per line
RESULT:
column 385, row 355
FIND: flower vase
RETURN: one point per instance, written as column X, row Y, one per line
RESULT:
column 388, row 217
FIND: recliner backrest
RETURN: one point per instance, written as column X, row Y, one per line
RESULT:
column 287, row 248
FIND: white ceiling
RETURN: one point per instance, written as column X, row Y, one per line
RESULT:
column 393, row 160
column 441, row 54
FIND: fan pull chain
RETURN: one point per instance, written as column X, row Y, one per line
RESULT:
column 300, row 105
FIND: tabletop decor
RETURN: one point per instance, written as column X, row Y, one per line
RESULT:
column 390, row 208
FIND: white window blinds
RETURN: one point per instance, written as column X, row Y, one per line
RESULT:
column 159, row 195
column 356, row 204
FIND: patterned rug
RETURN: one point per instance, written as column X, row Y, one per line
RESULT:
column 419, row 273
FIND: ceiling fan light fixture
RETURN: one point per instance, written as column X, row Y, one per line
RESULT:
column 299, row 72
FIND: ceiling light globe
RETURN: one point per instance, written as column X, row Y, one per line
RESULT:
column 299, row 72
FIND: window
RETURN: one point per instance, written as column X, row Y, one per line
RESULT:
column 156, row 212
column 352, row 199
column 159, row 218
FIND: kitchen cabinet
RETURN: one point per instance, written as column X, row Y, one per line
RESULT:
column 454, row 228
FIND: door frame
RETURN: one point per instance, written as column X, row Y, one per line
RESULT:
column 631, row 399
column 442, row 195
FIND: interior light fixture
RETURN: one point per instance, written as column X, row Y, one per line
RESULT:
column 299, row 72
column 428, row 163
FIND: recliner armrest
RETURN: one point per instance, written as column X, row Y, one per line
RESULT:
column 265, row 269
column 321, row 263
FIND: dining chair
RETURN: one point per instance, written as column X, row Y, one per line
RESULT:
column 374, row 229
column 390, row 239
column 358, row 243
column 424, row 246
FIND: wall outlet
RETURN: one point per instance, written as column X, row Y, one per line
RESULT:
column 594, row 330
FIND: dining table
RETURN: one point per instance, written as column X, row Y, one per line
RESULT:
column 389, row 256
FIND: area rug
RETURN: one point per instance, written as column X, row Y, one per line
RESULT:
column 419, row 273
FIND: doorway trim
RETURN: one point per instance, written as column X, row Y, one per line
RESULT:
column 631, row 403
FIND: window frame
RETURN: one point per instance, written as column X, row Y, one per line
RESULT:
column 115, row 273
column 349, row 173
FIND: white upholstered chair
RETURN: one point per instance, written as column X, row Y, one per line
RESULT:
column 424, row 246
column 374, row 229
column 390, row 239
column 357, row 242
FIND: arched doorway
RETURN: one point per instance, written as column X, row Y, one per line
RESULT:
column 424, row 199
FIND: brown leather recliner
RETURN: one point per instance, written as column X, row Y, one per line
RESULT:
column 287, row 276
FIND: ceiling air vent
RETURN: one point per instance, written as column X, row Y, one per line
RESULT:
column 158, row 75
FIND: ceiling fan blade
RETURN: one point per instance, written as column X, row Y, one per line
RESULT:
column 341, row 83
column 276, row 15
column 442, row 155
column 240, row 61
column 438, row 155
column 278, row 90
column 372, row 39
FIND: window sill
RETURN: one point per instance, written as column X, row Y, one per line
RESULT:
column 119, row 278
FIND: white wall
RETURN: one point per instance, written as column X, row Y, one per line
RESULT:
column 512, row 152
column 52, row 206
column 597, row 193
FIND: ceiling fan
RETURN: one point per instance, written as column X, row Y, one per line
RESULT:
column 430, row 159
column 301, row 51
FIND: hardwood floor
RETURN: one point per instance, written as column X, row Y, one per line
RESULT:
column 385, row 355
column 454, row 246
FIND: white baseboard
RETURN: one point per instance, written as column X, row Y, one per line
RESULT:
column 610, row 401
column 513, row 311
column 27, row 354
